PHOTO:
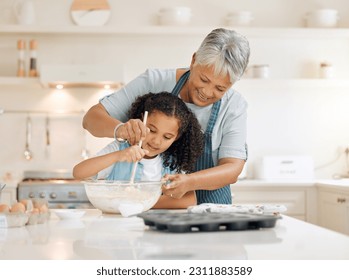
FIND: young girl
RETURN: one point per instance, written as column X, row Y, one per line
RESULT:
column 172, row 145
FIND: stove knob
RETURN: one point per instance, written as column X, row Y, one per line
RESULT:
column 53, row 195
column 31, row 195
column 42, row 195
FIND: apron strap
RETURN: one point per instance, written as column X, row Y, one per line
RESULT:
column 213, row 117
column 177, row 89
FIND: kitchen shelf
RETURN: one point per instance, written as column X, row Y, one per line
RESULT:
column 43, row 112
column 35, row 82
column 322, row 83
column 251, row 32
column 17, row 81
column 296, row 83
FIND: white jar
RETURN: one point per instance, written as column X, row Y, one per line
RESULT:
column 24, row 12
column 326, row 71
column 175, row 16
column 323, row 18
column 260, row 71
column 239, row 18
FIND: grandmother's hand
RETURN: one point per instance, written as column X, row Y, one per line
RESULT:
column 133, row 131
column 175, row 185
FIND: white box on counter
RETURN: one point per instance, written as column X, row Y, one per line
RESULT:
column 285, row 167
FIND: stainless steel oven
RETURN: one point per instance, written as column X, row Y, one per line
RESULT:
column 58, row 187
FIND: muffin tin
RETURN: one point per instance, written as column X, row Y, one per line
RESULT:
column 191, row 222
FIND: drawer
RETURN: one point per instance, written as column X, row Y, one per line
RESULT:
column 334, row 198
column 295, row 201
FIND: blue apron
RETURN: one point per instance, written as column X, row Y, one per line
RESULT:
column 205, row 161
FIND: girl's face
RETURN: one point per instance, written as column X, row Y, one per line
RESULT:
column 163, row 132
column 204, row 88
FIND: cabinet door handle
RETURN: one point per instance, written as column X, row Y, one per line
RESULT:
column 341, row 200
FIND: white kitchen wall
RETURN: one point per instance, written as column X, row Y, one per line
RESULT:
column 286, row 115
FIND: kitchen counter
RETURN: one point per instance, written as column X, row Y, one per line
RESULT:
column 292, row 183
column 340, row 184
column 246, row 183
column 274, row 183
column 97, row 236
column 264, row 183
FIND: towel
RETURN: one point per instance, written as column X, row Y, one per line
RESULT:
column 262, row 209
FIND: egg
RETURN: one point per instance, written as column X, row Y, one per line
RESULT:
column 43, row 208
column 24, row 202
column 4, row 208
column 18, row 208
column 28, row 204
column 37, row 203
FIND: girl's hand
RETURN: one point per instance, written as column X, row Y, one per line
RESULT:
column 132, row 154
column 133, row 131
column 175, row 185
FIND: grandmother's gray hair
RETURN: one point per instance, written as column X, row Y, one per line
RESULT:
column 227, row 51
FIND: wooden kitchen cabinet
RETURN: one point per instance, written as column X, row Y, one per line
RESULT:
column 333, row 205
column 299, row 198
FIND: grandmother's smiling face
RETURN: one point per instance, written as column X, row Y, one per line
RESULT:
column 204, row 87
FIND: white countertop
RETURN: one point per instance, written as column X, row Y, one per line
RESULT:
column 342, row 183
column 266, row 183
column 274, row 183
column 97, row 236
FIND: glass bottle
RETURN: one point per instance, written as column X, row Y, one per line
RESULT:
column 33, row 72
column 21, row 58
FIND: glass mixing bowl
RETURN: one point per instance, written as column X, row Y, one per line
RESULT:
column 122, row 197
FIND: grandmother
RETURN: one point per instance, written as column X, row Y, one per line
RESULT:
column 207, row 89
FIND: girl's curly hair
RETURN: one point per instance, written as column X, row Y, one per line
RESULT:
column 184, row 152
